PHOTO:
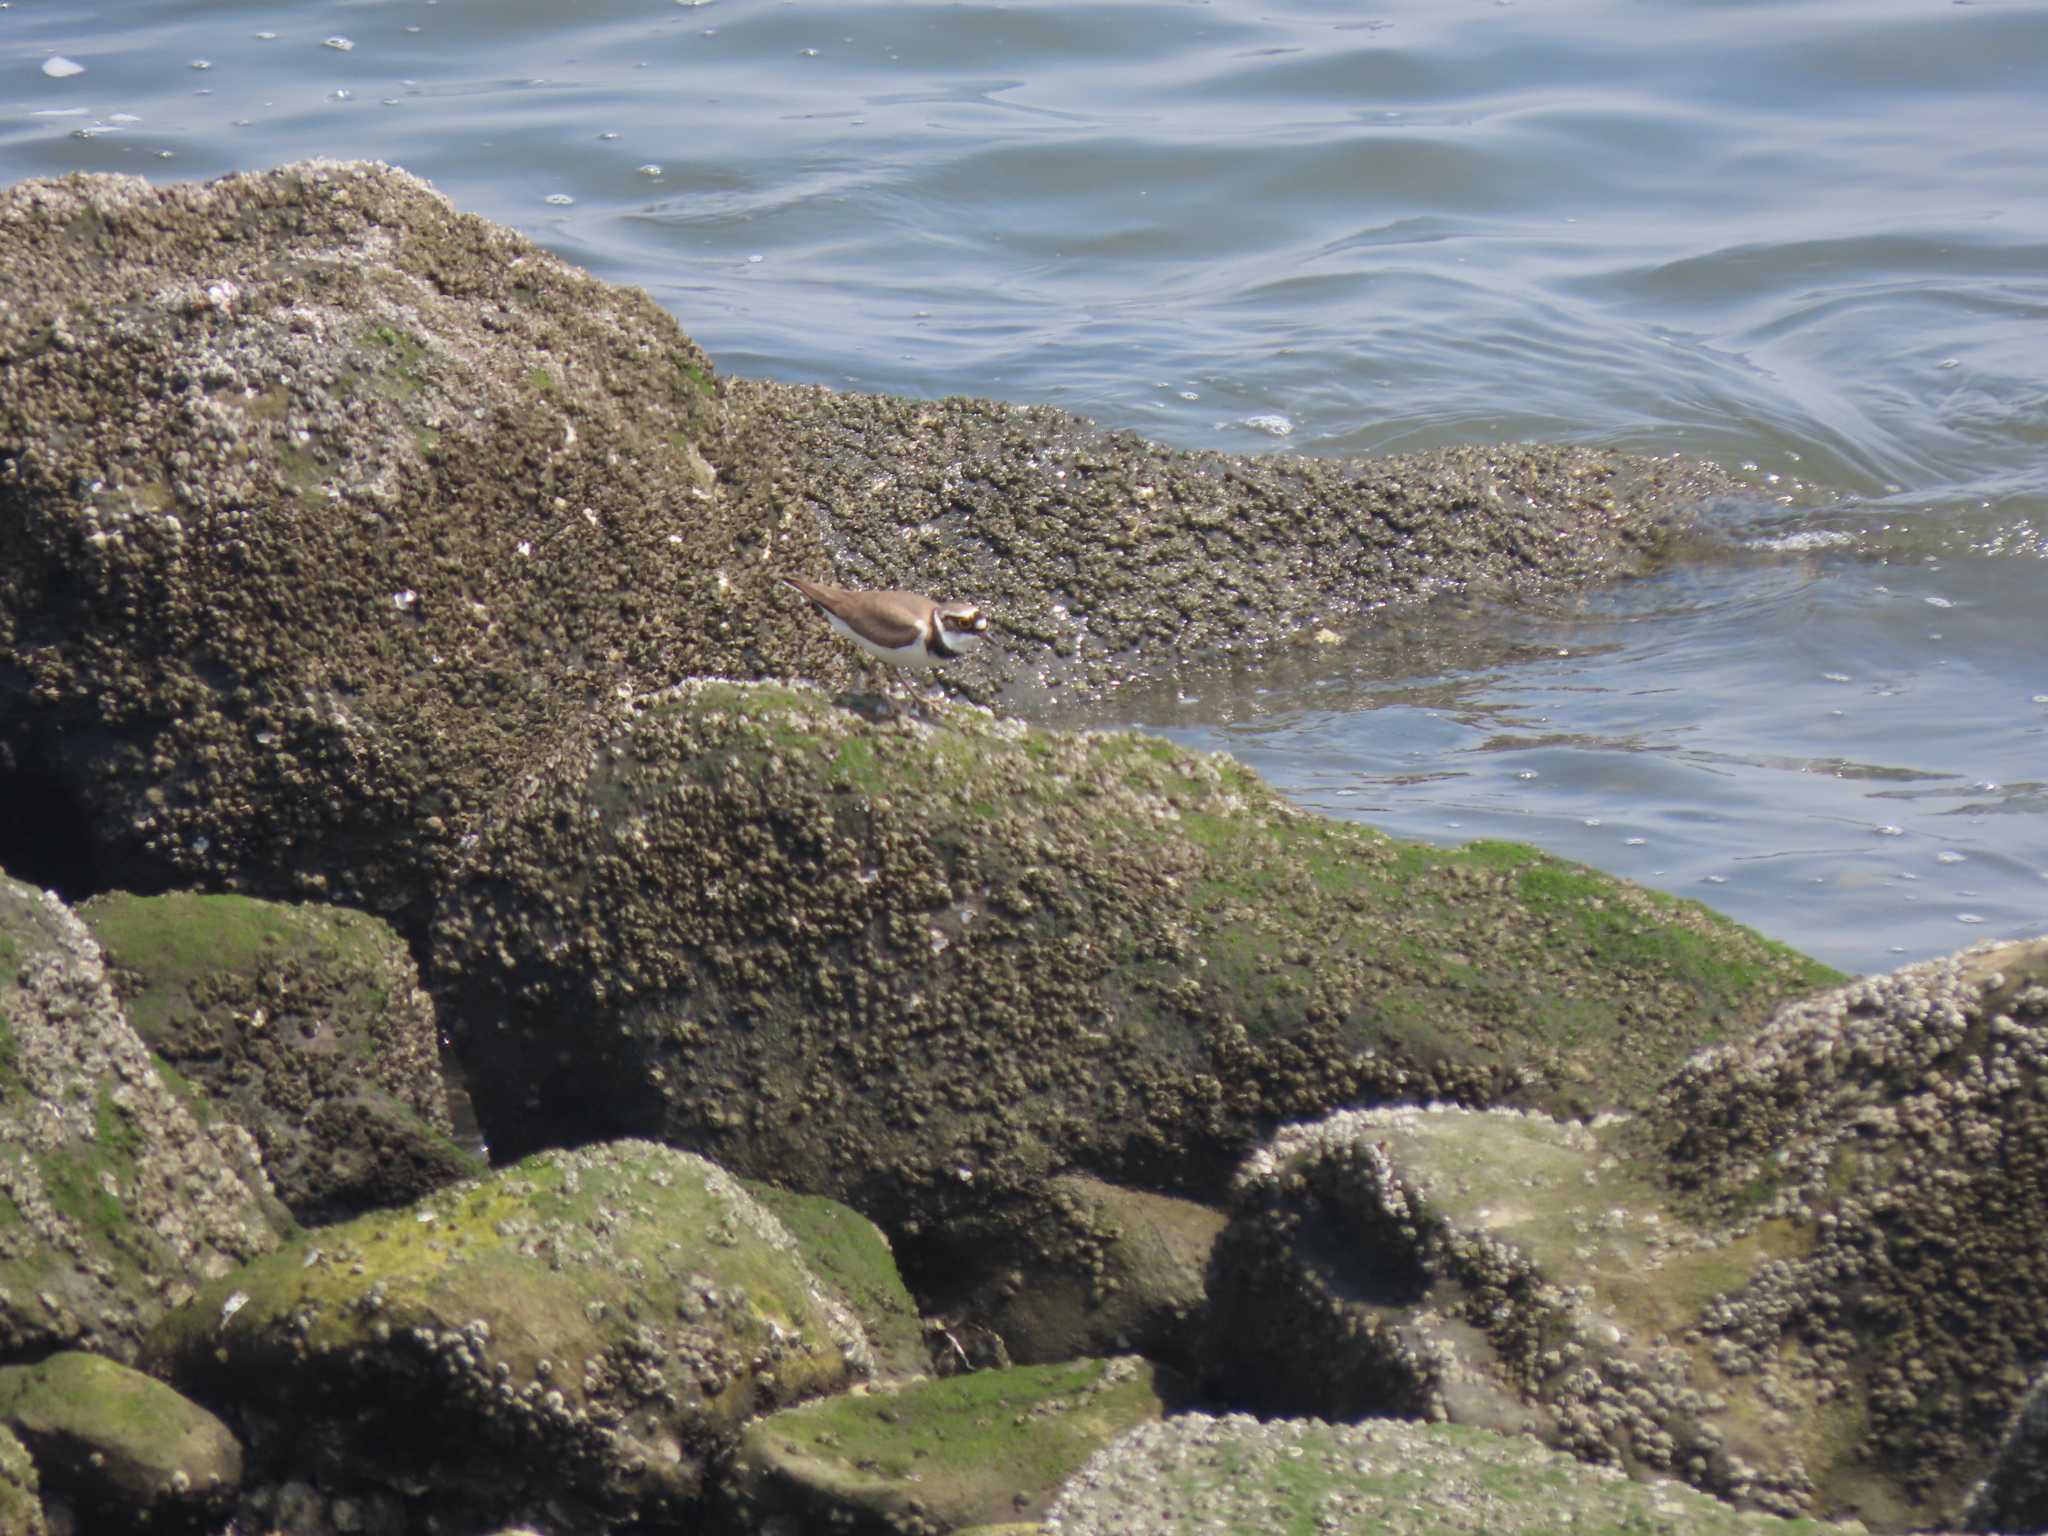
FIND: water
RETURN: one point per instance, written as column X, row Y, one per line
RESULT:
column 1807, row 240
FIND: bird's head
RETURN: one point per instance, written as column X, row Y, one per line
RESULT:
column 962, row 626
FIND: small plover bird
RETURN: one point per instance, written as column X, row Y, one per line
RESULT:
column 904, row 627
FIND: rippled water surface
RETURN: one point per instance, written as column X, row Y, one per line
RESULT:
column 1806, row 240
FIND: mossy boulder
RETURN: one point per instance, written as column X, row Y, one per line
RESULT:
column 305, row 1025
column 923, row 963
column 936, row 1455
column 1498, row 1269
column 1806, row 1276
column 115, row 1201
column 119, row 1449
column 21, row 1504
column 1078, row 1267
column 570, row 1339
column 851, row 1255
column 1195, row 1473
column 1893, row 1135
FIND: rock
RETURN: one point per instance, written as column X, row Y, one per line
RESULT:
column 114, row 1200
column 569, row 1340
column 21, row 1506
column 2014, row 1496
column 1891, row 1138
column 121, row 1449
column 329, row 511
column 923, row 964
column 1194, row 1473
column 1490, row 1268
column 324, row 511
column 304, row 1025
column 1807, row 1276
column 851, row 1255
column 1105, row 559
column 1079, row 1267
column 937, row 1455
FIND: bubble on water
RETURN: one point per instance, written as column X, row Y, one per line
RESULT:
column 1968, row 917
column 1888, row 830
column 755, row 260
column 807, row 53
column 1634, row 842
column 57, row 67
column 1948, row 856
column 559, row 199
column 1189, row 394
column 200, row 64
column 1907, row 875
column 123, row 118
column 338, row 44
column 1938, row 602
column 2040, row 698
column 1950, row 362
column 1273, row 424
column 1592, row 821
column 1836, row 677
column 609, row 135
column 1717, row 879
column 264, row 37
column 343, row 95
column 650, row 170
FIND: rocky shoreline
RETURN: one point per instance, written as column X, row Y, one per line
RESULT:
column 912, row 1123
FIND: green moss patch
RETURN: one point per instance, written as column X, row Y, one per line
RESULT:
column 964, row 1449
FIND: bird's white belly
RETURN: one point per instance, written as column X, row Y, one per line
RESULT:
column 911, row 655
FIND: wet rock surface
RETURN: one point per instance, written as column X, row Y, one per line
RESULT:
column 1195, row 1473
column 920, row 964
column 2014, row 1494
column 571, row 1340
column 304, row 1025
column 118, row 1449
column 114, row 1200
column 1104, row 558
column 936, row 1455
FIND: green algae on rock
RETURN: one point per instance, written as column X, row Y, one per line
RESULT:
column 1899, row 1127
column 1194, row 1473
column 1077, row 1267
column 306, row 1026
column 1806, row 1276
column 936, row 1455
column 114, row 1200
column 851, row 1255
column 918, row 964
column 1499, row 1269
column 571, row 1338
column 120, row 1449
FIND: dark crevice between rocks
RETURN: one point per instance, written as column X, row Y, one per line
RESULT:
column 46, row 836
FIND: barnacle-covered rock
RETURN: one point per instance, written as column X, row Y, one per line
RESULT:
column 921, row 964
column 305, row 1025
column 1806, row 1275
column 115, row 1200
column 1194, row 1474
column 571, row 1339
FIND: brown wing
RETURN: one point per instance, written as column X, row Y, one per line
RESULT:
column 887, row 618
